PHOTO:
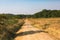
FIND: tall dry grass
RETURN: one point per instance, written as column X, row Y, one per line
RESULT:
column 51, row 25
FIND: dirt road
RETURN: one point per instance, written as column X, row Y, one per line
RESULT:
column 34, row 34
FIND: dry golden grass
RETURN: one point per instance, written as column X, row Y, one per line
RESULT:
column 32, row 33
column 51, row 25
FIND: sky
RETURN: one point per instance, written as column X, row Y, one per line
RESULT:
column 27, row 6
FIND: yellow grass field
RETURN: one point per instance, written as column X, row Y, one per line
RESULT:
column 50, row 25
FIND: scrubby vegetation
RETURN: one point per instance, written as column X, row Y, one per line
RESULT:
column 10, row 24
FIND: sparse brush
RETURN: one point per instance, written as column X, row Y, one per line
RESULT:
column 9, row 27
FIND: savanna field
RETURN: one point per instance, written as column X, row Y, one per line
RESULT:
column 50, row 25
column 44, row 25
column 29, row 19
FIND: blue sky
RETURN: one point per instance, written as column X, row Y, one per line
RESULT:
column 27, row 6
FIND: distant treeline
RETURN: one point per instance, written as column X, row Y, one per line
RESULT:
column 47, row 14
column 42, row 14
